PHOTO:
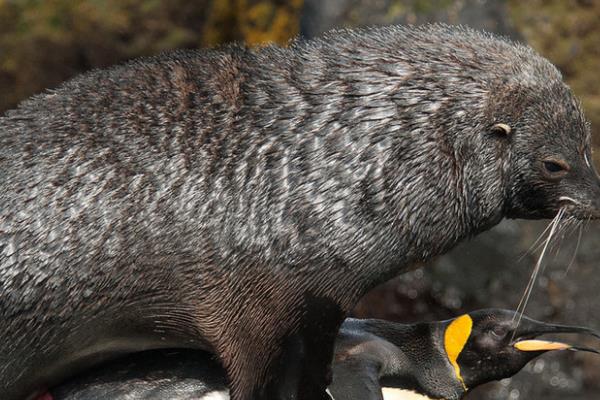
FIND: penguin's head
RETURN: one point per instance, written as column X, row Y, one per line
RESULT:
column 488, row 345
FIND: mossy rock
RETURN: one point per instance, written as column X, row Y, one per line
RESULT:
column 565, row 31
column 44, row 42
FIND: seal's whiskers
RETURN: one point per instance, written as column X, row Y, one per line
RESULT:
column 580, row 226
column 535, row 244
column 554, row 228
column 564, row 226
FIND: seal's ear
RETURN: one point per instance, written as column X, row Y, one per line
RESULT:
column 501, row 130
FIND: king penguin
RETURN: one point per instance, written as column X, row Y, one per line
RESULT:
column 377, row 359
column 374, row 359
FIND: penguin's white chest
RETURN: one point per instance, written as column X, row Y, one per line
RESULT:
column 400, row 394
column 388, row 394
column 217, row 395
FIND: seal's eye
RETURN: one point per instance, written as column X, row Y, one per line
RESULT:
column 554, row 169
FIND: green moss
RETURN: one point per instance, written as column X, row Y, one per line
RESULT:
column 395, row 10
column 44, row 42
column 430, row 6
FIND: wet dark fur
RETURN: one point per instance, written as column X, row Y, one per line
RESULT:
column 242, row 201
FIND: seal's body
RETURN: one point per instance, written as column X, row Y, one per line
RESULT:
column 242, row 201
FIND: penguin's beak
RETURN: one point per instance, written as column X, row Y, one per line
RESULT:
column 527, row 337
column 544, row 345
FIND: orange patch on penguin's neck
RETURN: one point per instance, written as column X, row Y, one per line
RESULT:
column 455, row 338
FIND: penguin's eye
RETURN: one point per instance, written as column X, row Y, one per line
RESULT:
column 499, row 332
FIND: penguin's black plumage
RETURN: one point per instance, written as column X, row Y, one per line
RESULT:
column 177, row 374
column 438, row 360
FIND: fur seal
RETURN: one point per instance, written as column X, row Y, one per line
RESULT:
column 242, row 201
column 374, row 359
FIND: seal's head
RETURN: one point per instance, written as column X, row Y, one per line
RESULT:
column 550, row 151
column 487, row 125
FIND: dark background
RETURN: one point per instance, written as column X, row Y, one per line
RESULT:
column 44, row 42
